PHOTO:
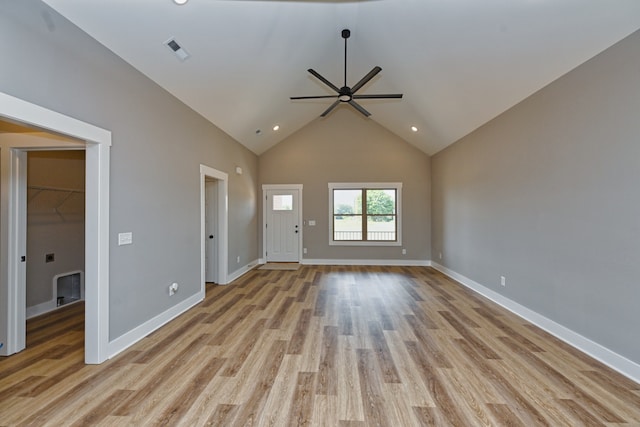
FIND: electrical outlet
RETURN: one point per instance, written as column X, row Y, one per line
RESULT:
column 238, row 259
column 503, row 281
column 404, row 251
column 440, row 255
column 173, row 288
column 304, row 250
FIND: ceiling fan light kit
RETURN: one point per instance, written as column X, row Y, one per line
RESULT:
column 345, row 93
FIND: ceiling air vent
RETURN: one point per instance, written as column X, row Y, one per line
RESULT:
column 177, row 49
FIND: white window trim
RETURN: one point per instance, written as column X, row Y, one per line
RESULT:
column 368, row 185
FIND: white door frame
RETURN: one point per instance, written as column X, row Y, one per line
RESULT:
column 98, row 143
column 268, row 187
column 223, row 220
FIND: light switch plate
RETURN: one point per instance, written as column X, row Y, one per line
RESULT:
column 125, row 238
column 312, row 222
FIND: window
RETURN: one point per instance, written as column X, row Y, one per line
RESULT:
column 365, row 214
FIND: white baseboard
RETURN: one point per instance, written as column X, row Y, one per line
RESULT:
column 613, row 360
column 133, row 336
column 242, row 271
column 379, row 262
column 45, row 307
column 42, row 308
column 127, row 340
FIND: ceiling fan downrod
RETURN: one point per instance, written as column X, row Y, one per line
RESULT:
column 346, row 93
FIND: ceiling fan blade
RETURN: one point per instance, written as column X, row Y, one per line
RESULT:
column 328, row 110
column 323, row 80
column 366, row 78
column 359, row 108
column 381, row 96
column 313, row 97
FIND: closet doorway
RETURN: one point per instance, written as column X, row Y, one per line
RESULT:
column 96, row 142
column 55, row 230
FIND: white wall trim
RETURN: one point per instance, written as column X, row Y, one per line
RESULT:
column 242, row 270
column 133, row 336
column 97, row 164
column 42, row 308
column 593, row 349
column 380, row 262
column 46, row 307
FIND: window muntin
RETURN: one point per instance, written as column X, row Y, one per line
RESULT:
column 365, row 214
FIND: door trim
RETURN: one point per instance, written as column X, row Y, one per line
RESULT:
column 223, row 221
column 268, row 187
column 98, row 143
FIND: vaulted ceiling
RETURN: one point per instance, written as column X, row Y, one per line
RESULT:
column 459, row 63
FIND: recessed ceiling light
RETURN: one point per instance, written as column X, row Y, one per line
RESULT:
column 180, row 2
column 413, row 128
column 276, row 127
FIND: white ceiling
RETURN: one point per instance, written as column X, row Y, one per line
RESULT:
column 459, row 63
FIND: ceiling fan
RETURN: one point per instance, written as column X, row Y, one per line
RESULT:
column 346, row 93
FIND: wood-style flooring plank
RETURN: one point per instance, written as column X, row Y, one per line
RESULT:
column 321, row 346
column 301, row 412
column 383, row 354
column 503, row 414
column 373, row 400
column 250, row 411
column 179, row 407
column 327, row 371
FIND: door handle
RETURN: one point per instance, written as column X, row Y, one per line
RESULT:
column 211, row 236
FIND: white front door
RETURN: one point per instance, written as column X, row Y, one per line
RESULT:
column 211, row 228
column 282, row 228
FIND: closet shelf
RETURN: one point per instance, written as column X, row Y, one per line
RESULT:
column 68, row 192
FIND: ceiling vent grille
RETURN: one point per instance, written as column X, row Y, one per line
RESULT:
column 178, row 50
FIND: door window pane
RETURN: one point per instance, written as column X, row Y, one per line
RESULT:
column 283, row 202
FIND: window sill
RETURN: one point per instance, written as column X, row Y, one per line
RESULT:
column 359, row 243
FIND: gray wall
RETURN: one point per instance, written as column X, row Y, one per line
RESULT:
column 158, row 145
column 55, row 220
column 547, row 196
column 346, row 147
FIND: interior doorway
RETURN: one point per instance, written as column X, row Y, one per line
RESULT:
column 97, row 144
column 55, row 228
column 214, row 213
column 211, row 230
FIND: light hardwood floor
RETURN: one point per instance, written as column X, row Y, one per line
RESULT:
column 334, row 346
